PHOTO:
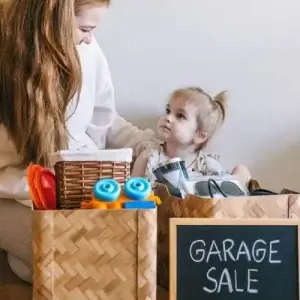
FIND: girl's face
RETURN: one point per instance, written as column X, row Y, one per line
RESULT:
column 86, row 21
column 179, row 125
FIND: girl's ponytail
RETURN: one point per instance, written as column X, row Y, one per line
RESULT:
column 221, row 101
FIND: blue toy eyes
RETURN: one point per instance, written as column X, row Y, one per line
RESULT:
column 107, row 189
column 136, row 188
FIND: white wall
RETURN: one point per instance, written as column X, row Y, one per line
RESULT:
column 251, row 48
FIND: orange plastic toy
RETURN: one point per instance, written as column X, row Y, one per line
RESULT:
column 42, row 188
column 136, row 194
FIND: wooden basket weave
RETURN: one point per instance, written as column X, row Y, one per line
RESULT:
column 75, row 178
column 94, row 254
column 195, row 207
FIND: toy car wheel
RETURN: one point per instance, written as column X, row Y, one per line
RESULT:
column 107, row 190
column 137, row 188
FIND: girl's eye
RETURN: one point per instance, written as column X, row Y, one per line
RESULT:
column 180, row 116
column 84, row 30
column 168, row 111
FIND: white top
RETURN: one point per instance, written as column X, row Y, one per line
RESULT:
column 198, row 164
column 95, row 112
column 94, row 125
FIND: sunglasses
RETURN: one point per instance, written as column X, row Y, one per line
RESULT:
column 211, row 188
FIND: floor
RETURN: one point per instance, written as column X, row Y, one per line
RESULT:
column 11, row 288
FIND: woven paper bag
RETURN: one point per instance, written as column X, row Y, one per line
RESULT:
column 294, row 206
column 196, row 207
column 95, row 254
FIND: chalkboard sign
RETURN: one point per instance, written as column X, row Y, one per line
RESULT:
column 233, row 259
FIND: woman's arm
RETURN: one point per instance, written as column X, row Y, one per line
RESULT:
column 13, row 178
column 104, row 106
column 14, row 186
column 103, row 116
column 107, row 127
column 123, row 134
column 13, row 183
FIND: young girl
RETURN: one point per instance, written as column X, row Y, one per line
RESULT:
column 191, row 120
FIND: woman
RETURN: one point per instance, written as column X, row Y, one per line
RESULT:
column 54, row 95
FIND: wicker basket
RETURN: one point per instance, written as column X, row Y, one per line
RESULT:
column 77, row 172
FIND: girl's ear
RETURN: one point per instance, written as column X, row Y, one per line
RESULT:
column 201, row 137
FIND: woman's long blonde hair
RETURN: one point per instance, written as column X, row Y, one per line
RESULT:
column 39, row 75
column 82, row 4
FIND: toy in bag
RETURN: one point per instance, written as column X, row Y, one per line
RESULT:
column 136, row 194
column 42, row 187
column 216, row 187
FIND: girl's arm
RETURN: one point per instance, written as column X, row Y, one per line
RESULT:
column 140, row 165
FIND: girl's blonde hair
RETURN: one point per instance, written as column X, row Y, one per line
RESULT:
column 211, row 111
column 83, row 4
column 39, row 75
